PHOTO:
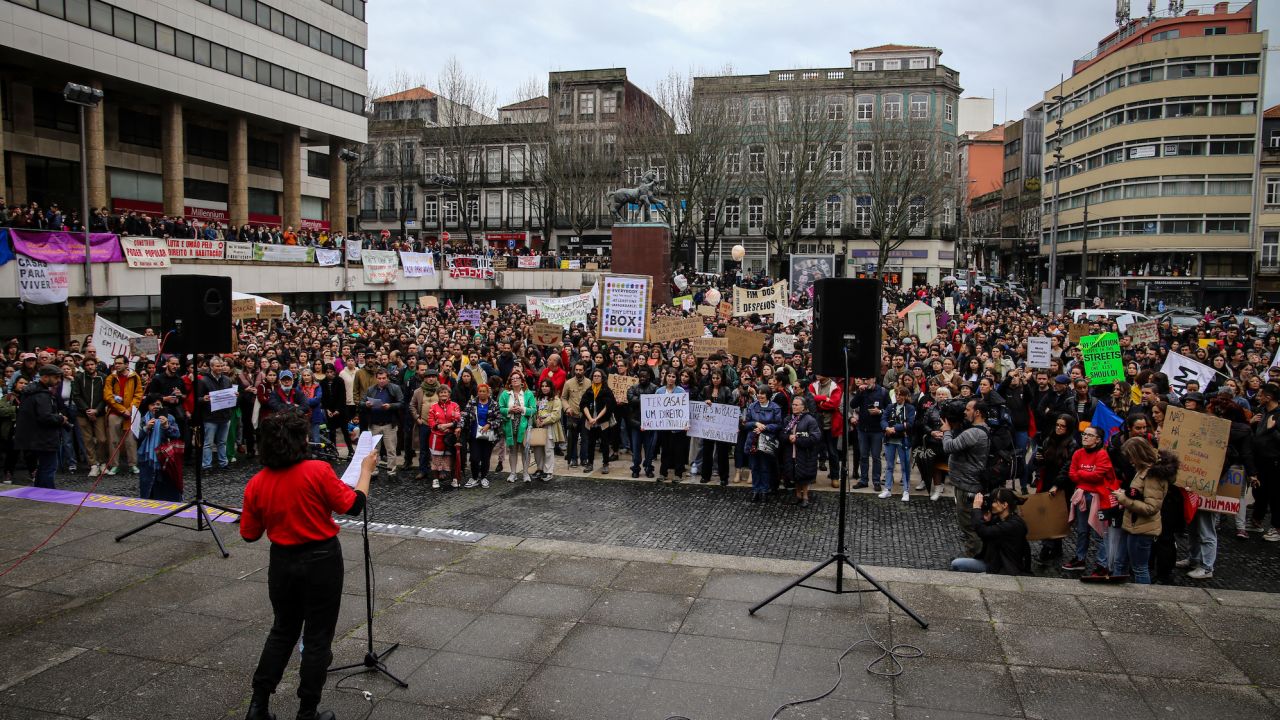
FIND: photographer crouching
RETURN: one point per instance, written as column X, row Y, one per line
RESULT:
column 1004, row 536
column 966, row 441
column 291, row 499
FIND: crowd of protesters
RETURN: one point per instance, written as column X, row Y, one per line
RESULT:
column 460, row 406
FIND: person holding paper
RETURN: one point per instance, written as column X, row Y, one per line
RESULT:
column 216, row 422
column 518, row 407
column 674, row 444
column 382, row 404
column 291, row 500
column 481, row 430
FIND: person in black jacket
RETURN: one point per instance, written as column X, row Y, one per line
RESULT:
column 598, row 407
column 715, row 453
column 1020, row 401
column 1052, row 466
column 801, row 435
column 214, row 423
column 37, row 425
column 1004, row 536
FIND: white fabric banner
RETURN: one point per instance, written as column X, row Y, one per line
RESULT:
column 239, row 250
column 782, row 314
column 418, row 264
column 564, row 311
column 283, row 253
column 109, row 339
column 1180, row 369
column 353, row 250
column 764, row 301
column 40, row 283
column 328, row 258
column 380, row 266
column 188, row 248
column 528, row 262
column 145, row 252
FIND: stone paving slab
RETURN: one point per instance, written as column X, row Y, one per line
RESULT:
column 534, row 629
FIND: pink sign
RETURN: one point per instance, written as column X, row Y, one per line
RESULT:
column 64, row 247
column 113, row 502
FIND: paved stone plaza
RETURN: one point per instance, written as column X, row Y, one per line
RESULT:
column 159, row 626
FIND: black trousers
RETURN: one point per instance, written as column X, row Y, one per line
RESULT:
column 481, row 451
column 596, row 435
column 673, row 450
column 305, row 585
column 715, row 453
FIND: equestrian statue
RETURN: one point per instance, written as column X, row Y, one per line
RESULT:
column 642, row 195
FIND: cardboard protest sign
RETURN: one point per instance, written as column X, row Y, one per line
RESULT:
column 704, row 347
column 744, row 343
column 664, row 412
column 428, row 301
column 1046, row 516
column 784, row 343
column 547, row 333
column 1144, row 333
column 1230, row 491
column 714, row 422
column 145, row 345
column 705, row 310
column 671, row 329
column 1039, row 352
column 1200, row 442
column 619, row 384
column 1103, row 363
column 246, row 309
column 725, row 310
column 1075, row 331
column 271, row 310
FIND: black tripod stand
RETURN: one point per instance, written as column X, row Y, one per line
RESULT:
column 840, row 558
column 198, row 502
column 372, row 660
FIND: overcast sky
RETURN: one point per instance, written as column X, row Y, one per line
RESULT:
column 1014, row 49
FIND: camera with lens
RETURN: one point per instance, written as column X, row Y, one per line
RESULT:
column 953, row 412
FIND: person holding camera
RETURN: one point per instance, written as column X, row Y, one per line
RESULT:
column 291, row 500
column 1004, row 536
column 966, row 442
column 1154, row 471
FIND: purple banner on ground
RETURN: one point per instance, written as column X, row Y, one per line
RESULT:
column 66, row 248
column 112, row 502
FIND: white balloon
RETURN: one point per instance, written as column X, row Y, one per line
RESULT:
column 713, row 297
column 738, row 252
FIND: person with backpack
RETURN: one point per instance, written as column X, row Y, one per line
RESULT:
column 967, row 452
column 1000, row 461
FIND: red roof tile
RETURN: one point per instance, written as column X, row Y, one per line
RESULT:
column 542, row 101
column 418, row 93
column 1272, row 112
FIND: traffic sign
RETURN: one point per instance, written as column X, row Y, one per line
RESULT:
column 444, row 236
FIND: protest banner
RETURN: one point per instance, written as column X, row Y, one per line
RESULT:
column 471, row 315
column 242, row 251
column 714, row 422
column 380, row 266
column 425, row 301
column 1200, row 442
column 671, row 329
column 704, row 347
column 527, row 262
column 474, row 267
column 109, row 339
column 564, row 311
column 1144, row 333
column 1075, row 331
column 144, row 345
column 353, row 250
column 680, row 301
column 1181, row 369
column 785, row 314
column 949, row 305
column 1103, row 363
column 1046, row 516
column 145, row 252
column 1229, row 495
column 624, row 307
column 268, row 311
column 40, row 283
column 705, row 310
column 342, row 307
column 327, row 257
column 283, row 253
column 188, row 249
column 547, row 333
column 619, row 384
column 744, row 343
column 1039, row 352
column 58, row 247
column 664, row 412
column 245, row 309
column 784, row 343
column 724, row 311
column 500, row 262
column 763, row 301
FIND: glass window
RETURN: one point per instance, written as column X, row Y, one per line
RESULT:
column 291, row 27
column 277, row 22
column 277, row 77
column 51, row 7
column 314, row 38
column 201, row 54
column 218, row 57
column 313, row 89
column 124, row 25
column 248, row 68
column 234, row 60
column 290, row 81
column 264, row 16
column 184, row 45
column 219, row 5
column 78, row 12
column 234, row 8
column 100, row 16
column 264, row 72
column 145, row 31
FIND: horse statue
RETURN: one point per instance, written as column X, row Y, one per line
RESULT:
column 642, row 195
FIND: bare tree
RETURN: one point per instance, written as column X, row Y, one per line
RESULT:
column 464, row 106
column 906, row 179
column 388, row 162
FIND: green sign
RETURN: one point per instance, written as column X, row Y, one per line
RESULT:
column 1103, row 363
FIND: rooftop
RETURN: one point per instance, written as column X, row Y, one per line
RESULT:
column 542, row 101
column 893, row 48
column 418, row 93
column 1272, row 112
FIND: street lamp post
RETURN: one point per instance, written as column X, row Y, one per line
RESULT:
column 1053, row 229
column 347, row 156
column 84, row 96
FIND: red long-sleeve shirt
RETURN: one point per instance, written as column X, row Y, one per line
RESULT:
column 294, row 505
column 1092, row 472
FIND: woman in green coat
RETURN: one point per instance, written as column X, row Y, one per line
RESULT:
column 518, row 408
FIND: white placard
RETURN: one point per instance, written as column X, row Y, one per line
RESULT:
column 340, row 306
column 418, row 264
column 563, row 311
column 109, row 339
column 380, row 266
column 624, row 303
column 145, row 252
column 1039, row 352
column 328, row 258
column 223, row 399
column 714, row 421
column 1180, row 368
column 784, row 343
column 366, row 444
column 239, row 250
column 40, row 283
column 669, row 411
column 353, row 250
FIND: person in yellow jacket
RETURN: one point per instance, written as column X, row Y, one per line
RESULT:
column 122, row 392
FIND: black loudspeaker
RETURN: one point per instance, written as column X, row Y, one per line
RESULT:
column 846, row 311
column 197, row 310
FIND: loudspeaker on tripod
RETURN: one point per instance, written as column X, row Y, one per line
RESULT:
column 198, row 309
column 846, row 310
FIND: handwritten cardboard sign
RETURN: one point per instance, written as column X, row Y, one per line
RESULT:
column 714, row 422
column 271, row 311
column 705, row 347
column 428, row 301
column 246, row 309
column 1144, row 333
column 619, row 384
column 547, row 333
column 1046, row 516
column 671, row 329
column 705, row 310
column 744, row 343
column 1075, row 331
column 1200, row 442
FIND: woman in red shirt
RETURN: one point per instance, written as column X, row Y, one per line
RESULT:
column 445, row 420
column 1094, row 478
column 292, row 500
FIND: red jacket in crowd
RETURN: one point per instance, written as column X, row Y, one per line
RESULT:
column 1092, row 472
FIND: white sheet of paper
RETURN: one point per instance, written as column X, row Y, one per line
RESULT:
column 365, row 444
column 223, row 399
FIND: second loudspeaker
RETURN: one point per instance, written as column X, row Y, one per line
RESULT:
column 846, row 311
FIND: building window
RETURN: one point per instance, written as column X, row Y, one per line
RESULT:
column 866, row 65
column 389, row 197
column 918, row 63
column 205, row 142
column 369, row 200
column 755, row 213
column 1273, row 140
column 784, row 109
column 317, row 164
column 735, row 111
column 1270, row 248
column 566, row 103
column 262, row 153
column 493, row 207
column 919, row 160
column 784, row 216
column 862, row 214
column 833, row 211
column 732, row 215
column 863, row 158
column 755, row 111
column 835, row 109
column 811, row 159
column 946, row 160
column 733, row 162
column 915, row 217
column 473, row 211
column 892, row 64
column 786, row 162
column 755, row 159
column 892, row 107
column 515, row 208
column 451, row 212
column 919, row 107
column 138, row 128
column 866, row 107
column 608, row 103
column 587, row 103
column 431, row 209
column 835, row 158
column 948, row 110
column 1166, row 35
column 409, row 198
column 892, row 160
column 1273, row 191
column 54, row 113
column 1217, row 30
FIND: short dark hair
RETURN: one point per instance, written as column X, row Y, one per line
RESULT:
column 1272, row 389
column 283, row 439
column 982, row 408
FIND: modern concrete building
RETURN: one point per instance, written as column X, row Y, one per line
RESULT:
column 886, row 82
column 1267, row 288
column 1020, row 196
column 1155, row 136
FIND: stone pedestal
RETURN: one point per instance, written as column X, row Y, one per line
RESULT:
column 644, row 249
